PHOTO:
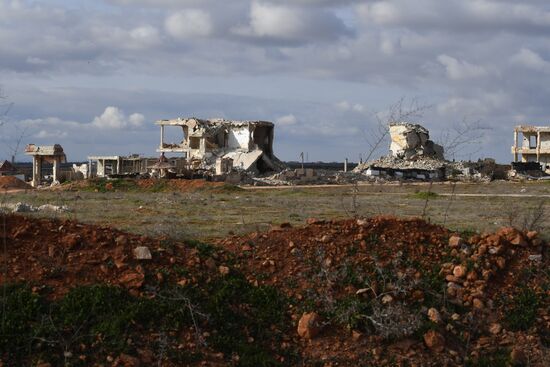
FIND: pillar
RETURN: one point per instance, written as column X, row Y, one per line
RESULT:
column 538, row 146
column 346, row 165
column 161, row 136
column 56, row 163
column 515, row 145
column 36, row 170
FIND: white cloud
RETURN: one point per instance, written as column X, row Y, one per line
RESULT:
column 114, row 118
column 291, row 23
column 47, row 134
column 189, row 23
column 531, row 60
column 457, row 70
column 347, row 106
column 286, row 120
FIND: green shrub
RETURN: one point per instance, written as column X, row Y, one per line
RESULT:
column 522, row 310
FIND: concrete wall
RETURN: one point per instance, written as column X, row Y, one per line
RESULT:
column 239, row 137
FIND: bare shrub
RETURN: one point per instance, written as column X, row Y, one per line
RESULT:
column 394, row 320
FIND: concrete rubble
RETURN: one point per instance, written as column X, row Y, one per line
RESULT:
column 20, row 207
column 220, row 146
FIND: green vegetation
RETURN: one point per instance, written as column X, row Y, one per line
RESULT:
column 426, row 195
column 522, row 309
column 106, row 320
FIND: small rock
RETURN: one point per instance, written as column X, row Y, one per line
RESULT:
column 309, row 325
column 455, row 241
column 142, row 253
column 478, row 304
column 495, row 328
column 356, row 335
column 535, row 258
column 434, row 315
column 434, row 340
column 121, row 240
column 224, row 270
column 387, row 299
column 459, row 271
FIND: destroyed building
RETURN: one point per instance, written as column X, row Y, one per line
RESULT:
column 409, row 141
column 49, row 154
column 534, row 147
column 220, row 145
column 412, row 155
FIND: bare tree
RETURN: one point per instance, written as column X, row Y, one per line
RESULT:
column 5, row 107
column 463, row 138
column 13, row 134
column 401, row 111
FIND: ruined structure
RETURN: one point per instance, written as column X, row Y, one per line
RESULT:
column 412, row 155
column 102, row 166
column 534, row 145
column 50, row 154
column 409, row 141
column 219, row 145
column 7, row 169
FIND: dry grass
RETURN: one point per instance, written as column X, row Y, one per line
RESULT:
column 205, row 214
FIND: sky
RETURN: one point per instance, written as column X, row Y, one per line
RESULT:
column 94, row 75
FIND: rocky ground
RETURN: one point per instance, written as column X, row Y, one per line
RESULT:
column 367, row 292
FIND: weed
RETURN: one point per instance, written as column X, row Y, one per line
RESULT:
column 425, row 195
column 522, row 309
column 499, row 358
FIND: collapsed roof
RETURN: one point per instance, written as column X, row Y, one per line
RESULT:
column 249, row 144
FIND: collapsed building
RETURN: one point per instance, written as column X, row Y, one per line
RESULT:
column 534, row 149
column 412, row 155
column 219, row 145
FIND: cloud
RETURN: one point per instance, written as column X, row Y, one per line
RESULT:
column 458, row 70
column 531, row 60
column 286, row 120
column 291, row 23
column 347, row 106
column 189, row 23
column 114, row 118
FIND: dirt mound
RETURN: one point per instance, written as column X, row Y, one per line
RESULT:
column 11, row 183
column 385, row 290
column 405, row 290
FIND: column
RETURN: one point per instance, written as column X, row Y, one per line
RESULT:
column 515, row 145
column 34, row 171
column 161, row 136
column 538, row 146
column 56, row 163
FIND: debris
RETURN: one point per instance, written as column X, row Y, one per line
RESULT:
column 434, row 340
column 309, row 325
column 142, row 253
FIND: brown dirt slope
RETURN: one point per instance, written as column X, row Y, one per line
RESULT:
column 393, row 290
column 11, row 182
column 376, row 291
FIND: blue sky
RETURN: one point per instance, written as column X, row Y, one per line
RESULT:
column 95, row 75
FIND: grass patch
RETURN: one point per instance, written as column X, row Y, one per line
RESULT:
column 102, row 320
column 522, row 309
column 425, row 195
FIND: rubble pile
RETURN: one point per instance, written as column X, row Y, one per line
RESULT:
column 414, row 156
column 412, row 140
column 387, row 290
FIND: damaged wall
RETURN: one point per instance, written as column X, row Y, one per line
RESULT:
column 412, row 140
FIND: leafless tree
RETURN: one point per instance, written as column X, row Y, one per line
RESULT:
column 5, row 107
column 401, row 111
column 463, row 138
column 12, row 135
